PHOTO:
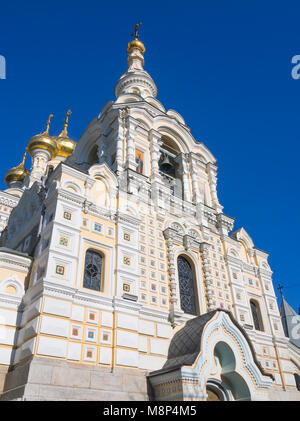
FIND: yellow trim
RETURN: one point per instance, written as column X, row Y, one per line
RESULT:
column 113, row 341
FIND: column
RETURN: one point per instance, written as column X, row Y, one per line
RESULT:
column 175, row 311
column 155, row 143
column 204, row 248
column 130, row 137
column 212, row 176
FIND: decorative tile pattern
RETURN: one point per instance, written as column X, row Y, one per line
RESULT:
column 89, row 353
column 67, row 215
column 105, row 337
column 143, row 297
column 92, row 316
column 127, row 236
column 98, row 227
column 126, row 287
column 164, row 301
column 64, row 241
column 60, row 270
column 126, row 260
column 75, row 331
column 110, row 232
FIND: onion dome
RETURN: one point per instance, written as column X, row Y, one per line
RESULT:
column 43, row 141
column 65, row 145
column 136, row 80
column 16, row 174
column 136, row 43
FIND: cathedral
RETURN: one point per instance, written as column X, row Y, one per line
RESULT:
column 120, row 276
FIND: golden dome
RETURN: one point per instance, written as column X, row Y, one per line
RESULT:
column 65, row 145
column 43, row 141
column 16, row 173
column 135, row 43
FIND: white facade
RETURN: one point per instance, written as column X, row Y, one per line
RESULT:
column 141, row 192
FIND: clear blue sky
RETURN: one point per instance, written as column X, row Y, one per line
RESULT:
column 224, row 65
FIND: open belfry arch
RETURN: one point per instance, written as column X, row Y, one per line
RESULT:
column 120, row 276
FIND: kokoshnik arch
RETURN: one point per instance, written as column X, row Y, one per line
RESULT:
column 122, row 278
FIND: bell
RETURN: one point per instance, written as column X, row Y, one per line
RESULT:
column 166, row 164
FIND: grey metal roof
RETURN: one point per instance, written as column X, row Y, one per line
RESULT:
column 289, row 322
column 185, row 345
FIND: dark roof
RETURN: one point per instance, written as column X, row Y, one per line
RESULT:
column 287, row 314
column 185, row 345
column 11, row 251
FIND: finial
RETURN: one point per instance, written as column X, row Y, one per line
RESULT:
column 135, row 32
column 64, row 132
column 280, row 287
column 22, row 164
column 24, row 156
column 48, row 125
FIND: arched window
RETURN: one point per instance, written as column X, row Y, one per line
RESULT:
column 186, row 286
column 256, row 315
column 93, row 267
column 297, row 381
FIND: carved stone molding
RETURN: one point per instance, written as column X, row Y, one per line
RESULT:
column 204, row 248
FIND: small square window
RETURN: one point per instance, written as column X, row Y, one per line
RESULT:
column 75, row 331
column 89, row 354
column 91, row 334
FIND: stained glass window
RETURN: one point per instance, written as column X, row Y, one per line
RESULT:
column 186, row 286
column 92, row 270
column 255, row 315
